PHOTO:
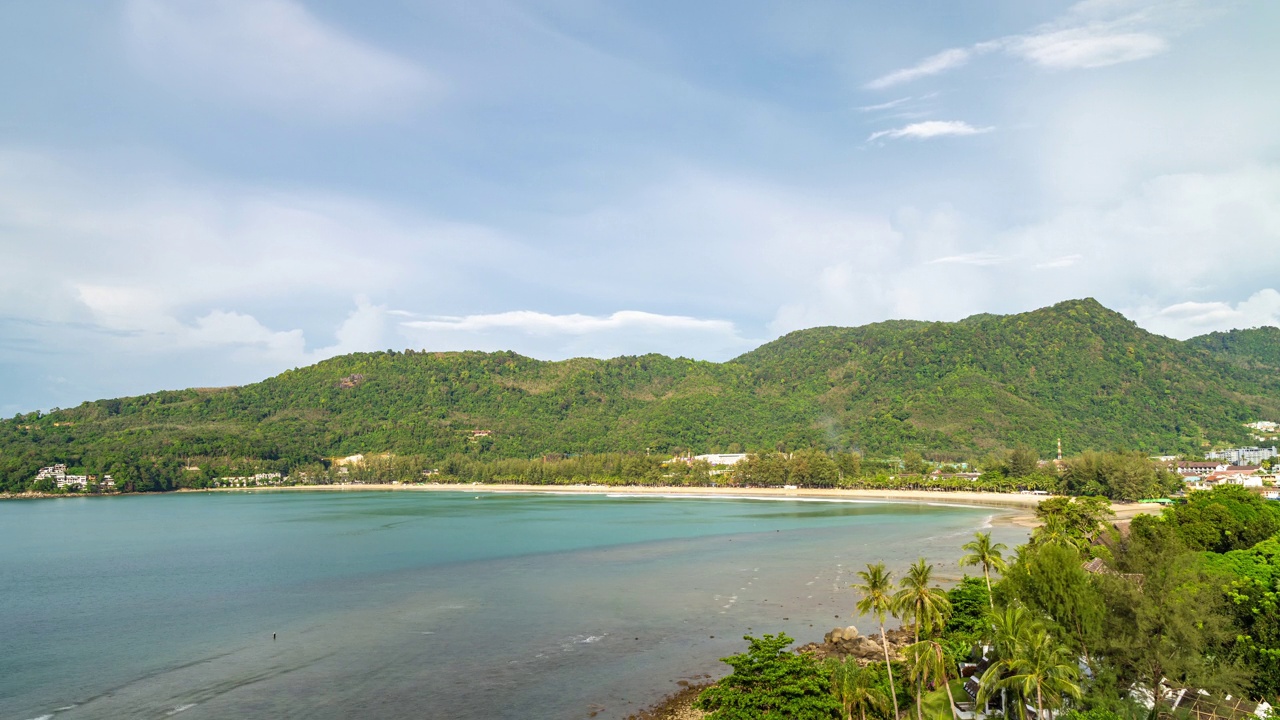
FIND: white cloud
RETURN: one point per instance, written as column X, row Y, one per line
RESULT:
column 1091, row 34
column 1063, row 261
column 158, row 261
column 272, row 54
column 548, row 336
column 884, row 105
column 1194, row 318
column 528, row 321
column 974, row 258
column 932, row 65
column 930, row 129
column 1086, row 48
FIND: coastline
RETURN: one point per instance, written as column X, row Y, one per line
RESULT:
column 1019, row 508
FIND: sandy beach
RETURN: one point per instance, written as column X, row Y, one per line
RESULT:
column 1020, row 507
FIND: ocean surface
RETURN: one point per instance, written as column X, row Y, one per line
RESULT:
column 422, row 604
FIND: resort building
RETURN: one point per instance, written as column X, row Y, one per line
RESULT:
column 272, row 478
column 1244, row 456
column 1200, row 468
column 58, row 474
column 722, row 459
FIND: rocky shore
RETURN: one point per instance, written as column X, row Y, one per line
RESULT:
column 839, row 643
column 677, row 706
column 846, row 642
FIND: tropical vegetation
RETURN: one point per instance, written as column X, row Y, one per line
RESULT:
column 1086, row 621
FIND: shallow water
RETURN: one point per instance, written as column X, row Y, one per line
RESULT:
column 421, row 605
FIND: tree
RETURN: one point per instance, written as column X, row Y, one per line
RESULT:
column 1038, row 667
column 1050, row 581
column 1165, row 619
column 989, row 556
column 913, row 463
column 926, row 606
column 769, row 683
column 1119, row 476
column 856, row 689
column 1075, row 521
column 1227, row 518
column 970, row 606
column 1023, row 461
column 877, row 600
column 1010, row 625
column 812, row 468
column 927, row 664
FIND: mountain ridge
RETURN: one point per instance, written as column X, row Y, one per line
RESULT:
column 1074, row 370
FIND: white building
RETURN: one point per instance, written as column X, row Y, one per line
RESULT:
column 58, row 474
column 272, row 478
column 722, row 459
column 1244, row 456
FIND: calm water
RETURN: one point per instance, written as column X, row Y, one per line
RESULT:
column 419, row 605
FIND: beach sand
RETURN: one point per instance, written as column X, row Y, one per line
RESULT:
column 1021, row 507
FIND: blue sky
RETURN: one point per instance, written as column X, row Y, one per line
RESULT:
column 204, row 193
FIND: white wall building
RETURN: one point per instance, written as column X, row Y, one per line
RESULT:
column 722, row 459
column 1244, row 456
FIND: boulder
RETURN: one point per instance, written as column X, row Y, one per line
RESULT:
column 840, row 635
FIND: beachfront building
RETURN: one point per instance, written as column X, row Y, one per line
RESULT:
column 58, row 474
column 1244, row 456
column 272, row 478
column 722, row 459
column 1200, row 469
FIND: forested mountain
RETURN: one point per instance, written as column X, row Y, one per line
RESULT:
column 1075, row 370
column 1257, row 347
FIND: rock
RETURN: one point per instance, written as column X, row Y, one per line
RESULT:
column 839, row 635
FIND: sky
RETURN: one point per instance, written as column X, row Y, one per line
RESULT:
column 199, row 193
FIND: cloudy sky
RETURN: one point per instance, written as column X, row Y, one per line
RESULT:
column 207, row 192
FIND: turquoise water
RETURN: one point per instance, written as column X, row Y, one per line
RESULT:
column 420, row 605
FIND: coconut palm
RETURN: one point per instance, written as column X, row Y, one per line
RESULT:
column 1010, row 627
column 1039, row 667
column 990, row 556
column 1055, row 530
column 927, row 664
column 877, row 599
column 926, row 606
column 855, row 688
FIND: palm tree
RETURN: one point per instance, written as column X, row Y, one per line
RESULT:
column 877, row 600
column 855, row 688
column 989, row 556
column 1056, row 531
column 1010, row 627
column 927, row 664
column 927, row 607
column 1039, row 666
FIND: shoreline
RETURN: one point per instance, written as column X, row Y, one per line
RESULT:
column 1019, row 508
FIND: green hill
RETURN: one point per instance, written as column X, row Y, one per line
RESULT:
column 1075, row 370
column 1256, row 347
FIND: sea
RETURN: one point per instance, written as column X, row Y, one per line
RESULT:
column 424, row 604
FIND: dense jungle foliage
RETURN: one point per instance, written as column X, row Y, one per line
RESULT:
column 948, row 391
